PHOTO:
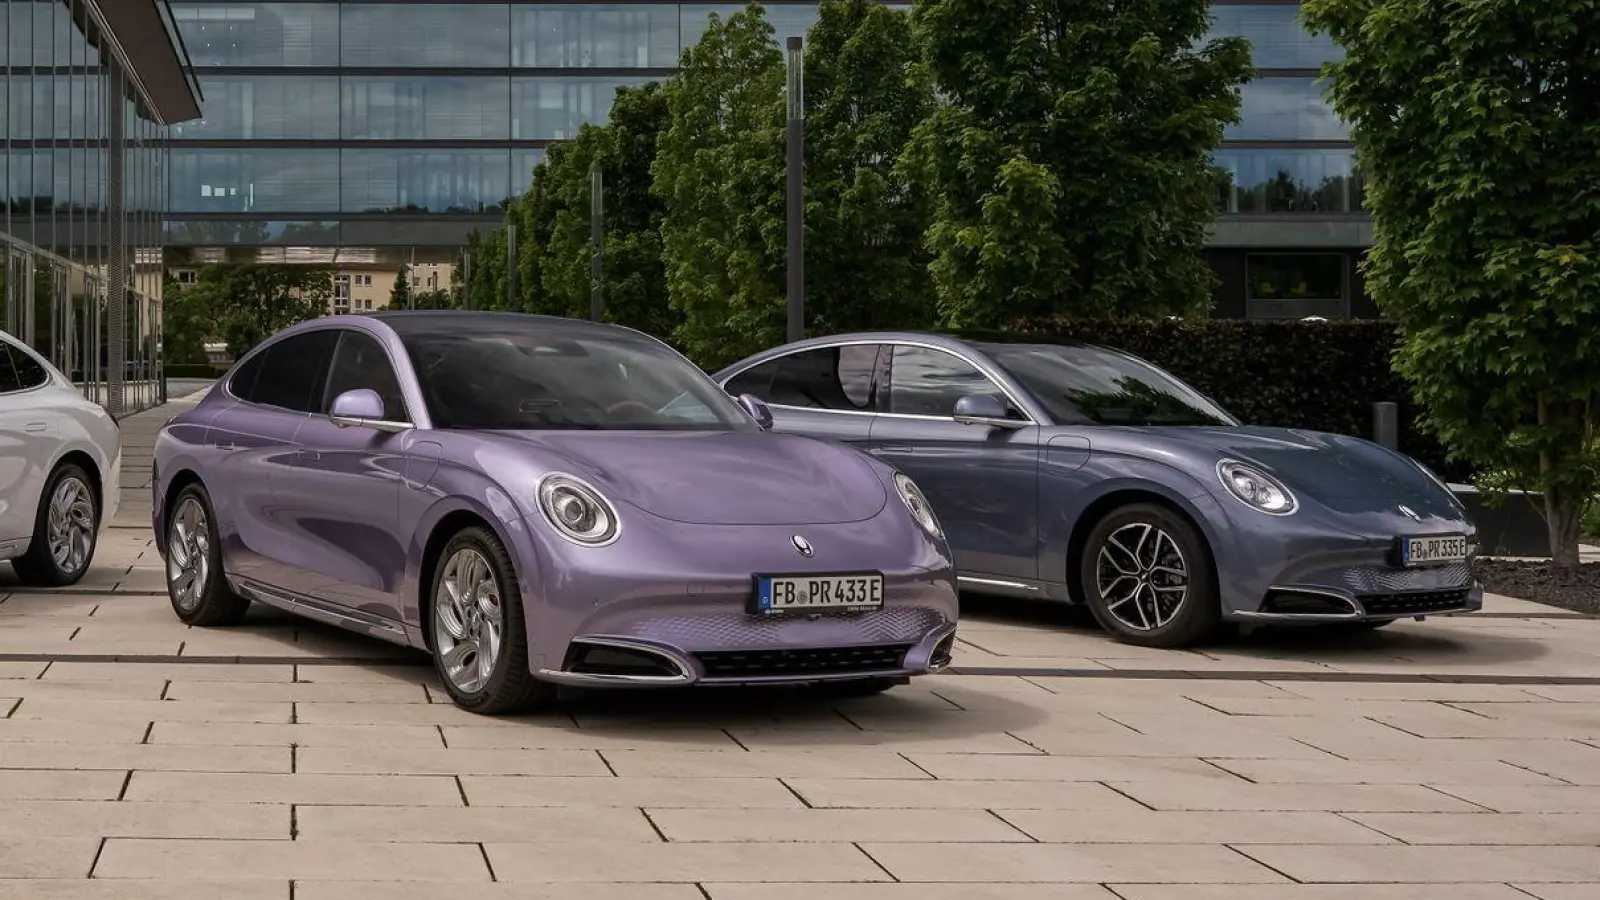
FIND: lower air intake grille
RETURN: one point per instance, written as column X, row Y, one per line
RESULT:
column 1414, row 604
column 815, row 661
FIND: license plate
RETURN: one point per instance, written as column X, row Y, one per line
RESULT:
column 1426, row 551
column 818, row 593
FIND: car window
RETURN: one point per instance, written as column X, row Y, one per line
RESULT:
column 1083, row 384
column 527, row 378
column 293, row 372
column 928, row 382
column 242, row 382
column 19, row 371
column 361, row 362
column 831, row 378
column 755, row 380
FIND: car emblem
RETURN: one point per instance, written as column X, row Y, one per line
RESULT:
column 1410, row 512
column 801, row 545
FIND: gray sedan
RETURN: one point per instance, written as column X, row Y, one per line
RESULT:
column 1079, row 473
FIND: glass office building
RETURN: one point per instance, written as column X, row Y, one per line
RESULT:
column 394, row 128
column 88, row 91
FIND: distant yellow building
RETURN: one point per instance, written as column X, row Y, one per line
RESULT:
column 362, row 287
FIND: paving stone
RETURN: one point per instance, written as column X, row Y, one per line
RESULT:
column 762, row 764
column 356, row 790
column 851, row 793
column 1398, row 865
column 46, row 857
column 831, row 825
column 419, row 761
column 732, row 793
column 1137, row 825
column 90, row 889
column 75, row 818
column 599, row 862
column 1082, row 863
column 276, row 860
column 1480, row 828
column 127, row 756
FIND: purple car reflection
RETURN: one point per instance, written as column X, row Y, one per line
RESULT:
column 539, row 502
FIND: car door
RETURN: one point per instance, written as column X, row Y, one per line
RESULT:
column 251, row 444
column 825, row 391
column 27, row 442
column 342, row 491
column 981, row 480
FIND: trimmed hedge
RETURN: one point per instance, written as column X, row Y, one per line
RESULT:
column 1322, row 376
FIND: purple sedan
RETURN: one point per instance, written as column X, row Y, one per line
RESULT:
column 542, row 502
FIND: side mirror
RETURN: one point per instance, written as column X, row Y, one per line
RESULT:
column 758, row 410
column 362, row 407
column 985, row 409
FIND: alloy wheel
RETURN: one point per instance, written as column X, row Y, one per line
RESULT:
column 1142, row 576
column 71, row 525
column 469, row 619
column 189, row 554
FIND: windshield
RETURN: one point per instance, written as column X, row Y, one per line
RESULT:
column 1092, row 385
column 533, row 379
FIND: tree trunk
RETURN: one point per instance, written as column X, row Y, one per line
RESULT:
column 1562, row 513
column 1562, row 509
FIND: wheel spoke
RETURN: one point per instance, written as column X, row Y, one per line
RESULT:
column 1142, row 576
column 468, row 619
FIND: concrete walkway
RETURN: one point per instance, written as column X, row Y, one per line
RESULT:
column 1454, row 759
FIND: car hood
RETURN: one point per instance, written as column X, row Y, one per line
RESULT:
column 718, row 478
column 1347, row 474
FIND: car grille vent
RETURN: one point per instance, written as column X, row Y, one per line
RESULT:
column 1414, row 604
column 814, row 661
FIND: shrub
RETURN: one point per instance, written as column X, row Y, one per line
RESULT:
column 1322, row 376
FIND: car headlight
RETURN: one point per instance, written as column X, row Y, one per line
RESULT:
column 917, row 505
column 1255, row 488
column 577, row 511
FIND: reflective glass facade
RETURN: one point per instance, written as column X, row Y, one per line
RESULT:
column 84, row 175
column 323, row 116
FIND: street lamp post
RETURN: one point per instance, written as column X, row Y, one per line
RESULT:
column 597, row 238
column 795, row 92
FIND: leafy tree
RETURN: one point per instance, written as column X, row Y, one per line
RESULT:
column 434, row 299
column 186, row 324
column 249, row 302
column 864, row 217
column 1069, row 154
column 719, row 171
column 1478, row 128
column 400, row 294
column 555, row 254
column 479, row 276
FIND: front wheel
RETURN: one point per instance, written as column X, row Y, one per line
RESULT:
column 480, row 636
column 196, row 584
column 1147, row 577
column 65, row 530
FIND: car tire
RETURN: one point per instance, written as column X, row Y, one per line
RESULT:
column 480, row 649
column 1129, row 583
column 855, row 687
column 197, row 585
column 66, row 529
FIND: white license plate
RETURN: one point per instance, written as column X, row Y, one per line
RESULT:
column 818, row 593
column 1426, row 551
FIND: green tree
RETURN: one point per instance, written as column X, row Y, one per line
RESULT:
column 186, row 324
column 479, row 277
column 400, row 294
column 1478, row 129
column 555, row 255
column 1070, row 154
column 249, row 302
column 719, row 171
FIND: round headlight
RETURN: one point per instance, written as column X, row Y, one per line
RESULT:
column 577, row 511
column 917, row 505
column 1255, row 488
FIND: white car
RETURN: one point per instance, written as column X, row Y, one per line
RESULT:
column 60, row 469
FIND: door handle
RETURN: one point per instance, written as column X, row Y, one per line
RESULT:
column 36, row 427
column 227, row 448
column 894, row 448
column 312, row 455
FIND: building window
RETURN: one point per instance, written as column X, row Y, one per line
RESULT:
column 1297, row 285
column 1277, row 38
column 1298, row 180
column 1289, row 108
column 186, row 277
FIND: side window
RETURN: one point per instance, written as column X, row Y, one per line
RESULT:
column 832, row 378
column 926, row 382
column 19, row 371
column 242, row 383
column 755, row 380
column 294, row 370
column 360, row 362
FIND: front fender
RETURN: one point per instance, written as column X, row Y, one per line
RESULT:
column 1067, row 508
column 484, row 500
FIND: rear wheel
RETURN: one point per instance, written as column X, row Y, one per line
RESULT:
column 1147, row 577
column 196, row 584
column 480, row 636
column 65, row 530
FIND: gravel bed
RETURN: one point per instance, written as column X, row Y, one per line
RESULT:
column 1578, row 591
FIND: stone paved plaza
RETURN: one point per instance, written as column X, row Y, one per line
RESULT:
column 1453, row 759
